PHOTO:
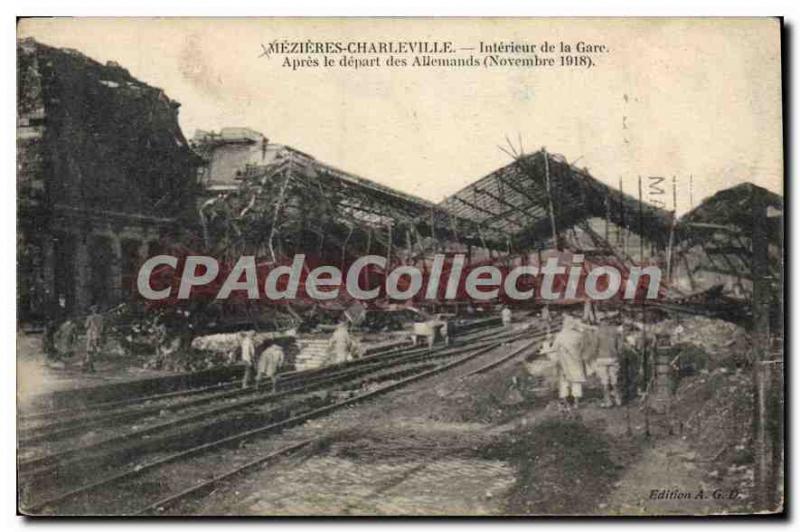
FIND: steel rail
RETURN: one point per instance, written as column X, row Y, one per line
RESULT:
column 270, row 428
column 502, row 360
column 170, row 500
column 285, row 376
column 307, row 385
column 66, row 427
column 72, row 457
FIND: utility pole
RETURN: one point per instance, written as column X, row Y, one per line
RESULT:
column 672, row 230
column 647, row 356
column 767, row 370
column 550, row 198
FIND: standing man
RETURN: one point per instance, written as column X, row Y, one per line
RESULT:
column 248, row 356
column 268, row 364
column 609, row 352
column 65, row 339
column 438, row 325
column 161, row 341
column 94, row 337
column 546, row 318
column 505, row 315
column 566, row 352
column 341, row 344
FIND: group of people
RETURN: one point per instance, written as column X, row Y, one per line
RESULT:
column 263, row 364
column 584, row 347
column 265, row 360
column 62, row 340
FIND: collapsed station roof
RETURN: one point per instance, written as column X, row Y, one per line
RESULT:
column 296, row 193
column 515, row 200
column 714, row 241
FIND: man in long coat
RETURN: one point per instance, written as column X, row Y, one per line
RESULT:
column 567, row 351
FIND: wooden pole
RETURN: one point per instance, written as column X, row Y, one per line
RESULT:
column 275, row 214
column 367, row 250
column 453, row 227
column 623, row 227
column 767, row 371
column 409, row 248
column 433, row 229
column 641, row 223
column 549, row 189
column 389, row 245
column 645, row 351
column 344, row 246
column 672, row 230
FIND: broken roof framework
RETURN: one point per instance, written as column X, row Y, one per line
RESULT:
column 731, row 210
column 515, row 200
column 300, row 205
column 716, row 236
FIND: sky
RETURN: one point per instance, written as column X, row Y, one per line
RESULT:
column 698, row 100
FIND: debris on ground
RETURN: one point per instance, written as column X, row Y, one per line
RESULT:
column 409, row 441
column 494, row 398
column 562, row 467
column 716, row 419
column 724, row 342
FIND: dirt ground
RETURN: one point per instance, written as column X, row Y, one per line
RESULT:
column 36, row 375
column 489, row 444
column 682, row 486
column 455, row 445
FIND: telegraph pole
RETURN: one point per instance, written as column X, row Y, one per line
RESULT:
column 767, row 369
column 549, row 189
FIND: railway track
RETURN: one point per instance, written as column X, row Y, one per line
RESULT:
column 163, row 505
column 67, row 452
column 42, row 415
column 32, row 431
column 145, row 451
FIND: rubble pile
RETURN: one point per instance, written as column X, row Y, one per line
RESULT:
column 725, row 343
column 385, row 321
column 180, row 360
column 225, row 342
column 230, row 342
column 716, row 415
column 224, row 348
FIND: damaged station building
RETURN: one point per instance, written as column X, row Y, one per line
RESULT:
column 107, row 179
column 104, row 177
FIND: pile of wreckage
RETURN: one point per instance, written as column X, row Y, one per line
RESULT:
column 236, row 193
column 295, row 204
